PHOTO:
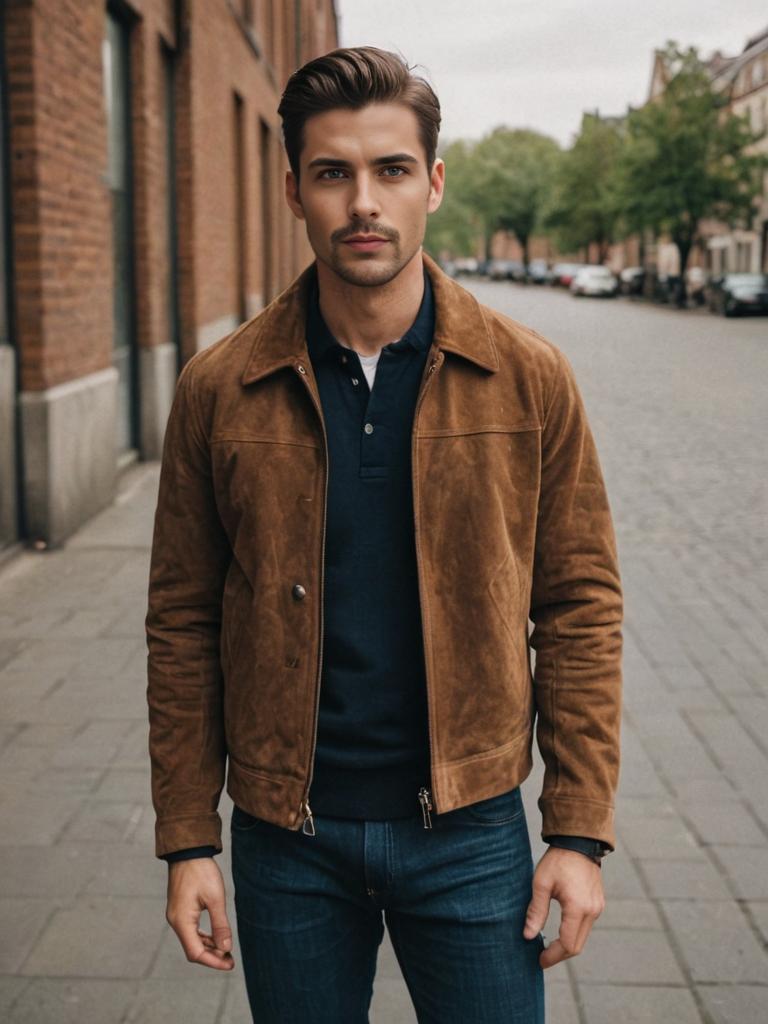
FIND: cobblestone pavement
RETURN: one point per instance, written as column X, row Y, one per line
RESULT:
column 678, row 405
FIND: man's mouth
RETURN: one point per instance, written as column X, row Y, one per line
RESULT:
column 365, row 243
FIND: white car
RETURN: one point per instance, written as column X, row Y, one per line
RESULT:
column 595, row 280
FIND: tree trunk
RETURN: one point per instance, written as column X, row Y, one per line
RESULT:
column 684, row 251
column 524, row 243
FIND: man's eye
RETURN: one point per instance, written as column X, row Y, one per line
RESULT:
column 332, row 172
column 397, row 172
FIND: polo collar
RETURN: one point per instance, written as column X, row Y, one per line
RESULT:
column 279, row 331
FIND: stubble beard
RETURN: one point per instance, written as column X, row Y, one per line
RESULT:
column 368, row 270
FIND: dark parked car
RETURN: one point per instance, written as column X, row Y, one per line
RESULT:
column 738, row 293
column 539, row 272
column 631, row 281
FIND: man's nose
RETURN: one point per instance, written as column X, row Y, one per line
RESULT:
column 364, row 203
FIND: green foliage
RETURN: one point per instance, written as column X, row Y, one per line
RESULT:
column 679, row 159
column 686, row 158
column 500, row 182
column 583, row 206
column 455, row 227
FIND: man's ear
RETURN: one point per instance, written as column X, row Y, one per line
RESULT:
column 436, row 185
column 292, row 195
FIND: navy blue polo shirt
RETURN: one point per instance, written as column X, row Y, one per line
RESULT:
column 372, row 753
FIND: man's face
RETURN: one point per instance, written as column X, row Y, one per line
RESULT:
column 365, row 190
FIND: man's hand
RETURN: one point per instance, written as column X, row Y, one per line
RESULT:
column 195, row 885
column 577, row 885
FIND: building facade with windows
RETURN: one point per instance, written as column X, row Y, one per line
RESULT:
column 141, row 219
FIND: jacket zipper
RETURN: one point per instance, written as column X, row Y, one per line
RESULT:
column 425, row 799
column 305, row 811
column 425, row 795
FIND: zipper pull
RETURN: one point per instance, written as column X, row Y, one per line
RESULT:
column 425, row 800
column 308, row 828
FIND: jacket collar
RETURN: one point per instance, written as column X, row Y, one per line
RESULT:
column 279, row 330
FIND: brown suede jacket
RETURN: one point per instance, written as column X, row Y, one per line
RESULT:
column 511, row 521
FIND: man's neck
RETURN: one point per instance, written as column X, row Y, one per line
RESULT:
column 366, row 319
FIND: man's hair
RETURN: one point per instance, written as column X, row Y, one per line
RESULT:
column 353, row 78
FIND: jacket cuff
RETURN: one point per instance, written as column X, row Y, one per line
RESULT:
column 184, row 833
column 573, row 816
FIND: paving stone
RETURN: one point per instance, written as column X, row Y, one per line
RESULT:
column 716, row 941
column 627, row 957
column 10, row 990
column 120, row 870
column 683, row 880
column 391, row 1003
column 46, row 871
column 703, row 791
column 619, row 913
column 735, row 1004
column 72, row 1001
column 104, row 821
column 759, row 911
column 634, row 1004
column 747, row 868
column 21, row 922
column 194, row 1000
column 235, row 1010
column 99, row 937
column 559, row 1002
column 723, row 822
column 661, row 838
column 621, row 880
column 125, row 784
column 37, row 819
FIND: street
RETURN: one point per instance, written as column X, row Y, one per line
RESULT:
column 677, row 402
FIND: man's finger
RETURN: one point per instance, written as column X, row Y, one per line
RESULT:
column 538, row 910
column 222, row 933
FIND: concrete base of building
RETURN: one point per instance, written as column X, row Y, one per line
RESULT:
column 69, row 454
column 157, row 382
column 8, row 485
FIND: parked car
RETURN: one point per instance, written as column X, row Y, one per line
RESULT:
column 731, row 294
column 466, row 265
column 563, row 273
column 504, row 270
column 539, row 272
column 595, row 280
column 631, row 281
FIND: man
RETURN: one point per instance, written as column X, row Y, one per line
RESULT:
column 366, row 491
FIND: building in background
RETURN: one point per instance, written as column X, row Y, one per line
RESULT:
column 743, row 79
column 141, row 219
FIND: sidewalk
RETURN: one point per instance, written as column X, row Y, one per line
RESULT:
column 82, row 897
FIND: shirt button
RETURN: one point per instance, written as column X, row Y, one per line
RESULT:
column 355, row 380
column 298, row 592
column 368, row 428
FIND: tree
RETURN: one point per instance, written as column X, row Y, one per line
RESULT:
column 686, row 158
column 455, row 227
column 583, row 209
column 512, row 179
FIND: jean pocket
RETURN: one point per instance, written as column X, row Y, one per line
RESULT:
column 495, row 810
column 242, row 821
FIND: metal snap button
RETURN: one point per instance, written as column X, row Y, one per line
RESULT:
column 298, row 592
column 368, row 428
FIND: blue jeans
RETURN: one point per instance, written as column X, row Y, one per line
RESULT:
column 454, row 898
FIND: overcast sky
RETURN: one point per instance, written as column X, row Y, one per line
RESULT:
column 540, row 63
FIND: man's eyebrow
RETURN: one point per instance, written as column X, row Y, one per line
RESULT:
column 380, row 161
